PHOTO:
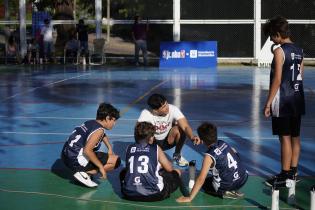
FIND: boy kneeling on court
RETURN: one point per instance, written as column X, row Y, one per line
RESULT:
column 80, row 152
column 149, row 175
column 228, row 173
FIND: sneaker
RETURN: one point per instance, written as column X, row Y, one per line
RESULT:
column 233, row 194
column 281, row 180
column 180, row 160
column 85, row 179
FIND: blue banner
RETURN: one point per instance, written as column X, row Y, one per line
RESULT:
column 188, row 54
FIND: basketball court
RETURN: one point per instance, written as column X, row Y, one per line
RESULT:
column 41, row 105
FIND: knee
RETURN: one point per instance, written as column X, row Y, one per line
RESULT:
column 117, row 163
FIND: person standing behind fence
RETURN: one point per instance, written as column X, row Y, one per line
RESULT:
column 47, row 33
column 285, row 102
column 139, row 36
column 83, row 37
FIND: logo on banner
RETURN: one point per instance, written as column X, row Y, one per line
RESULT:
column 193, row 53
column 173, row 54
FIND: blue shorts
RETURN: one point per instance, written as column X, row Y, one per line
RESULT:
column 76, row 167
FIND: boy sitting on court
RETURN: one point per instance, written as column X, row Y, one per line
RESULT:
column 149, row 175
column 228, row 173
column 80, row 152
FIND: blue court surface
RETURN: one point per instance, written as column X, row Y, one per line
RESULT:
column 41, row 105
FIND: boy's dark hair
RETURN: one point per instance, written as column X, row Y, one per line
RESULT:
column 276, row 25
column 143, row 131
column 105, row 110
column 46, row 21
column 207, row 133
column 155, row 101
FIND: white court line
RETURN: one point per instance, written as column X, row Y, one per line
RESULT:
column 123, row 203
column 47, row 85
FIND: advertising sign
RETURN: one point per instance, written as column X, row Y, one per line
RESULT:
column 188, row 54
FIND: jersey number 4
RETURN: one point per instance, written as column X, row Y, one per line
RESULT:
column 231, row 161
column 143, row 168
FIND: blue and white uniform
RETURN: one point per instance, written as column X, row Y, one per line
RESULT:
column 72, row 151
column 289, row 99
column 142, row 171
column 227, row 170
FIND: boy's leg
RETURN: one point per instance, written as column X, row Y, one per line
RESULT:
column 209, row 189
column 178, row 136
column 112, row 162
column 137, row 49
column 286, row 152
column 296, row 148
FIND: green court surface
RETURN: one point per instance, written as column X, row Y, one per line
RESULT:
column 45, row 190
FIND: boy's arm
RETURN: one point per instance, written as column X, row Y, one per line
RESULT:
column 165, row 163
column 108, row 145
column 88, row 150
column 184, row 125
column 278, row 56
column 207, row 162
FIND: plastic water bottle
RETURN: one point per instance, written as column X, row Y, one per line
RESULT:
column 291, row 192
column 313, row 198
column 275, row 199
column 192, row 174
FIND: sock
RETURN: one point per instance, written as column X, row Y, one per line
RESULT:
column 294, row 170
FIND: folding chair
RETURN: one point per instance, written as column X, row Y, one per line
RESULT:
column 97, row 52
column 71, row 52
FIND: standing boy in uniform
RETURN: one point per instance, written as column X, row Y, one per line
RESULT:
column 285, row 102
column 228, row 172
column 171, row 126
column 148, row 176
column 80, row 152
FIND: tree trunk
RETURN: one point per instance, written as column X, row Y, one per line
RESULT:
column 63, row 11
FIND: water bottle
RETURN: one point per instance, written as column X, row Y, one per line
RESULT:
column 192, row 174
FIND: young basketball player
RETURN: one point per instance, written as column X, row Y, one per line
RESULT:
column 285, row 102
column 228, row 172
column 148, row 176
column 80, row 152
column 171, row 126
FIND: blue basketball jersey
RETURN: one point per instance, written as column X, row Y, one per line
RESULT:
column 228, row 172
column 73, row 148
column 289, row 100
column 142, row 171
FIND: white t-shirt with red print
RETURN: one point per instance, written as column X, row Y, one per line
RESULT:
column 163, row 124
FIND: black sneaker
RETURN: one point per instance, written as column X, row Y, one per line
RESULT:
column 270, row 182
column 281, row 180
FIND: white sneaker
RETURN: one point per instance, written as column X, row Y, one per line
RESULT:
column 180, row 160
column 85, row 179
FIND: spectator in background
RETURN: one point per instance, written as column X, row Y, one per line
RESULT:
column 47, row 33
column 139, row 36
column 12, row 51
column 32, row 52
column 72, row 47
column 83, row 38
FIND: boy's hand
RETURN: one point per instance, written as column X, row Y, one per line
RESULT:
column 267, row 111
column 103, row 173
column 183, row 199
